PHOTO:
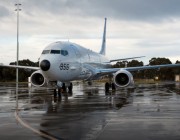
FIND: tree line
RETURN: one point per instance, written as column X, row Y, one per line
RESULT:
column 162, row 73
column 9, row 74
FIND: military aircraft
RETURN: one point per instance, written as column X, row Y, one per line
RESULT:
column 63, row 62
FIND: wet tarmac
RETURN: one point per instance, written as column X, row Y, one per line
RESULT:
column 147, row 112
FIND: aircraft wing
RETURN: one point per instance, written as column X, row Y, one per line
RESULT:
column 152, row 67
column 125, row 58
column 113, row 70
column 21, row 67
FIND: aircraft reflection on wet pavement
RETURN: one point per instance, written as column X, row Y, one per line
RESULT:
column 88, row 98
column 148, row 111
column 71, row 113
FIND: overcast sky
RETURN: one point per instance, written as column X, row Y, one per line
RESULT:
column 134, row 27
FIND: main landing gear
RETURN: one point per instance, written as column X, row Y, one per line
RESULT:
column 57, row 92
column 108, row 85
column 64, row 89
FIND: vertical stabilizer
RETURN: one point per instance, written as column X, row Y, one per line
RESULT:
column 103, row 47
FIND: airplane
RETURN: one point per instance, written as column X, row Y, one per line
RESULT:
column 63, row 62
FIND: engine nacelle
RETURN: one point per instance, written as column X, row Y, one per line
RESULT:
column 123, row 78
column 37, row 79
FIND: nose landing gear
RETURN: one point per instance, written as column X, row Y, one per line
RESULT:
column 57, row 92
column 108, row 85
column 64, row 89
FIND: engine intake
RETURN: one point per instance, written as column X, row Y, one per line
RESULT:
column 37, row 79
column 123, row 78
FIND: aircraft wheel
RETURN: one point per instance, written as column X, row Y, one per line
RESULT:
column 59, row 92
column 55, row 93
column 90, row 83
column 64, row 87
column 70, row 88
column 113, row 87
column 107, row 87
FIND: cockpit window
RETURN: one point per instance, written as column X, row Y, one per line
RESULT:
column 46, row 51
column 62, row 52
column 55, row 51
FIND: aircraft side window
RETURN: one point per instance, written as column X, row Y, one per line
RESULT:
column 55, row 51
column 64, row 52
column 46, row 52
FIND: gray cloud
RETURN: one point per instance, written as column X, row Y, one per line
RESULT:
column 46, row 21
column 3, row 11
column 141, row 10
column 120, row 9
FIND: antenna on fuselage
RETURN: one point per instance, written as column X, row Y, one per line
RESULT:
column 103, row 47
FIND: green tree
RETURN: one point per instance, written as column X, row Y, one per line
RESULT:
column 120, row 64
column 9, row 74
column 163, row 73
column 177, row 62
column 159, row 61
column 177, row 69
column 136, row 63
column 133, row 63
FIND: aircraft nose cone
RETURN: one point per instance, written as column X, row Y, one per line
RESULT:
column 45, row 65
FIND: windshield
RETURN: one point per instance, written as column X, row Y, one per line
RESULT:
column 45, row 51
column 62, row 52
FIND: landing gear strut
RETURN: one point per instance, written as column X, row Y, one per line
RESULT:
column 57, row 92
column 70, row 87
column 63, row 89
column 108, row 85
column 113, row 87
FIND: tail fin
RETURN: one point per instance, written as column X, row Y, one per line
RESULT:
column 103, row 47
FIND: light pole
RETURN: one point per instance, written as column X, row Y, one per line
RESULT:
column 17, row 55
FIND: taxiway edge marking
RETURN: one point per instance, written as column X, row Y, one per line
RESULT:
column 25, row 124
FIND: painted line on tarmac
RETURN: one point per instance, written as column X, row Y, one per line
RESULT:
column 25, row 124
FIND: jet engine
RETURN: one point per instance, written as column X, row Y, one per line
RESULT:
column 37, row 79
column 123, row 78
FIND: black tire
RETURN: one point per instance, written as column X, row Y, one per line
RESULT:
column 59, row 92
column 55, row 93
column 113, row 87
column 64, row 87
column 70, row 88
column 107, row 87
